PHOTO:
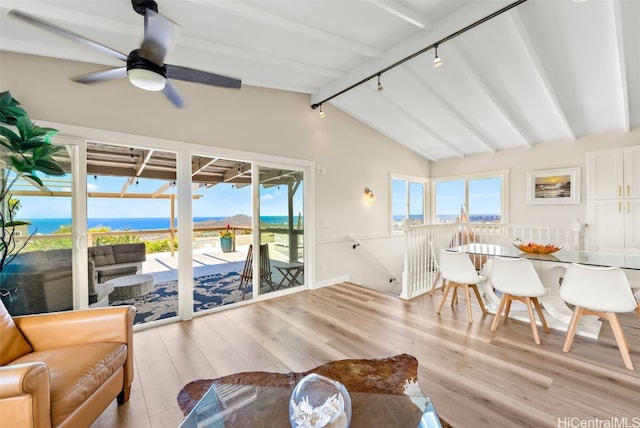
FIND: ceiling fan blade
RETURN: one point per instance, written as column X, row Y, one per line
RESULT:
column 68, row 34
column 197, row 76
column 159, row 34
column 171, row 92
column 101, row 76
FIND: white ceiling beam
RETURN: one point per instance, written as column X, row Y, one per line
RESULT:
column 622, row 68
column 200, row 167
column 451, row 110
column 161, row 190
column 223, row 49
column 371, row 124
column 142, row 165
column 515, row 19
column 399, row 10
column 458, row 19
column 420, row 124
column 46, row 11
column 60, row 15
column 294, row 27
column 483, row 85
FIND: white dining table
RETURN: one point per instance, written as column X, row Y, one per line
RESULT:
column 551, row 268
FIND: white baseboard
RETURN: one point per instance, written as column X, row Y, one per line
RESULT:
column 332, row 281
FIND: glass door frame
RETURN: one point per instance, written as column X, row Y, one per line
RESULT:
column 308, row 183
column 77, row 136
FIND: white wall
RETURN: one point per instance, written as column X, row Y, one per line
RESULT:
column 253, row 120
column 548, row 155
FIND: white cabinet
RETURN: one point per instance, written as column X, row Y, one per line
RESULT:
column 613, row 198
column 614, row 173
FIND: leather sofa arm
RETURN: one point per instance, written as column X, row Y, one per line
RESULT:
column 60, row 329
column 24, row 395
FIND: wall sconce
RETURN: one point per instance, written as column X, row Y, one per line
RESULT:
column 369, row 194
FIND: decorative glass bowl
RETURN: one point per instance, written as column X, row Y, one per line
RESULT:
column 534, row 248
column 318, row 401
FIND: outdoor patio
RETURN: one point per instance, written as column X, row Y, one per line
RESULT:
column 216, row 280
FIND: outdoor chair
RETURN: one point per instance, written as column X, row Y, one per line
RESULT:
column 265, row 269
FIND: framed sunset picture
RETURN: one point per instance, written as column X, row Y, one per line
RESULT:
column 553, row 186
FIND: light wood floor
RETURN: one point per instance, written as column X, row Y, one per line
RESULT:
column 474, row 377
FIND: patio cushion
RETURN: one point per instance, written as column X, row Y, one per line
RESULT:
column 126, row 253
column 102, row 255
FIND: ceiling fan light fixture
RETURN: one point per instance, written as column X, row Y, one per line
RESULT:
column 146, row 79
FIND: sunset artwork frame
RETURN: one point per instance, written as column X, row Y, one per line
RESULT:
column 553, row 186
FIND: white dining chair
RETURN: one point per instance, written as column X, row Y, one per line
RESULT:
column 601, row 291
column 517, row 280
column 635, row 284
column 458, row 271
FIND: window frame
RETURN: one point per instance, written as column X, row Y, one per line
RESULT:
column 425, row 198
column 503, row 175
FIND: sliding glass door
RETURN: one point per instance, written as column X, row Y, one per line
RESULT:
column 281, row 220
column 38, row 239
column 222, row 231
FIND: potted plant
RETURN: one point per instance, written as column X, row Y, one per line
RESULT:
column 25, row 149
column 226, row 239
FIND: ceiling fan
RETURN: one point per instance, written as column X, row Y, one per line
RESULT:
column 145, row 66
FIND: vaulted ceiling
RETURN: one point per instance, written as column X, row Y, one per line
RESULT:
column 544, row 70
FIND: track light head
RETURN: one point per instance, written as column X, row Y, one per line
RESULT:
column 380, row 88
column 322, row 114
column 437, row 62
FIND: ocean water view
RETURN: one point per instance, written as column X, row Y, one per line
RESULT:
column 47, row 226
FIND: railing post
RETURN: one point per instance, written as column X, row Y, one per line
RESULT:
column 404, row 294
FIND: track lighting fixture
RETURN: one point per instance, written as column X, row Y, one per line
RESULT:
column 437, row 62
column 322, row 114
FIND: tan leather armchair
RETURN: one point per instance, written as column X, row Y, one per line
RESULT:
column 64, row 369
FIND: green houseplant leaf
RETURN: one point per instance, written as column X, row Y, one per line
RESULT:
column 24, row 153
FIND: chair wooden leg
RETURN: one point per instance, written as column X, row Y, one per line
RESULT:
column 507, row 309
column 573, row 325
column 435, row 282
column 469, row 313
column 496, row 318
column 620, row 339
column 477, row 292
column 454, row 296
column 532, row 320
column 536, row 303
column 447, row 287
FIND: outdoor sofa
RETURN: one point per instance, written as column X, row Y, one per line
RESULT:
column 41, row 281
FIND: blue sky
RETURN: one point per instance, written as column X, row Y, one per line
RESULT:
column 222, row 200
column 484, row 197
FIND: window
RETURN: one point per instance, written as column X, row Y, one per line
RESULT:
column 407, row 201
column 482, row 196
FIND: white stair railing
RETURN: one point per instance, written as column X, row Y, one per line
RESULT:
column 377, row 260
column 419, row 269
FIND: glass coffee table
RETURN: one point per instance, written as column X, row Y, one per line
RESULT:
column 242, row 406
